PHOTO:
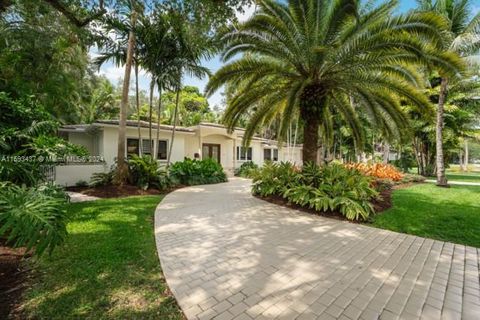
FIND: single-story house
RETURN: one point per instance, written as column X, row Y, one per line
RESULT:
column 201, row 141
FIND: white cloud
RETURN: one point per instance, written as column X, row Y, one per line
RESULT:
column 112, row 73
column 248, row 11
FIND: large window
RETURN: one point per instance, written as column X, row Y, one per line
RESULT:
column 162, row 150
column 244, row 153
column 270, row 154
column 132, row 146
column 146, row 147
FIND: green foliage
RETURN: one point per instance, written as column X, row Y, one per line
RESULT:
column 328, row 188
column 145, row 173
column 247, row 169
column 194, row 172
column 100, row 179
column 349, row 60
column 34, row 218
column 28, row 141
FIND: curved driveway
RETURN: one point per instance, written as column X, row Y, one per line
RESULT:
column 228, row 255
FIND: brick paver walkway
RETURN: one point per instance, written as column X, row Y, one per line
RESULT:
column 228, row 255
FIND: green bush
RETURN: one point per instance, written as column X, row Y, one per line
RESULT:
column 246, row 170
column 102, row 178
column 34, row 218
column 329, row 188
column 194, row 172
column 145, row 173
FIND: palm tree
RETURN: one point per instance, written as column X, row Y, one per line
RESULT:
column 462, row 37
column 122, row 168
column 328, row 57
column 188, row 54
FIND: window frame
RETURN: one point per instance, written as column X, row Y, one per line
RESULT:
column 166, row 149
column 247, row 153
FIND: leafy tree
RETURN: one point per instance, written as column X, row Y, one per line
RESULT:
column 463, row 37
column 328, row 57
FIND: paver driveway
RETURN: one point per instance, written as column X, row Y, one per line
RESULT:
column 228, row 255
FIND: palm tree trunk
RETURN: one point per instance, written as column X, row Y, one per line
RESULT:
column 441, row 179
column 122, row 168
column 310, row 139
column 175, row 115
column 137, row 101
column 158, row 117
column 150, row 109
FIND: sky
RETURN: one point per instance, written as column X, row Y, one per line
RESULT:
column 114, row 74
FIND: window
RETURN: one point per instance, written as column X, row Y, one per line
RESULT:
column 132, row 146
column 244, row 153
column 146, row 147
column 270, row 154
column 162, row 150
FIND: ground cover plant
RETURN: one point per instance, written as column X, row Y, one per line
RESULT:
column 247, row 169
column 444, row 214
column 109, row 266
column 328, row 188
column 194, row 172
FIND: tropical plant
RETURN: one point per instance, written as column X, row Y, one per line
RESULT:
column 34, row 218
column 194, row 172
column 377, row 170
column 247, row 169
column 332, row 187
column 328, row 57
column 100, row 179
column 463, row 37
column 145, row 173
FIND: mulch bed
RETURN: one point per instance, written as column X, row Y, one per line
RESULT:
column 13, row 275
column 112, row 191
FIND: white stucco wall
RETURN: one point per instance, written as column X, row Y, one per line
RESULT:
column 226, row 149
column 69, row 175
column 110, row 142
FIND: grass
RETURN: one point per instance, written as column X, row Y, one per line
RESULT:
column 463, row 176
column 107, row 269
column 449, row 214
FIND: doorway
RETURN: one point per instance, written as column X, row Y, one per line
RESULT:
column 212, row 151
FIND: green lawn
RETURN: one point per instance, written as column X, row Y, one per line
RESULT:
column 107, row 269
column 463, row 176
column 449, row 214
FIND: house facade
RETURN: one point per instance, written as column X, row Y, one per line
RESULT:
column 205, row 140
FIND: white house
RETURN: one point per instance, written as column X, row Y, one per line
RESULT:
column 201, row 141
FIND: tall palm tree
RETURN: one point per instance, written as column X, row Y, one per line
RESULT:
column 328, row 57
column 463, row 37
column 122, row 168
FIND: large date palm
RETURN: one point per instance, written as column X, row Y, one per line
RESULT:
column 326, row 57
column 463, row 37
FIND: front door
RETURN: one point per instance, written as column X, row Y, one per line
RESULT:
column 212, row 151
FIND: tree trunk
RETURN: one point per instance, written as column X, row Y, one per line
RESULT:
column 386, row 152
column 137, row 102
column 441, row 179
column 175, row 115
column 122, row 168
column 310, row 139
column 466, row 152
column 158, row 118
column 150, row 110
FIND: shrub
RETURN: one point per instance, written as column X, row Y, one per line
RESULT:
column 81, row 183
column 408, row 178
column 145, row 173
column 100, row 179
column 195, row 172
column 377, row 170
column 274, row 178
column 329, row 188
column 247, row 169
column 34, row 218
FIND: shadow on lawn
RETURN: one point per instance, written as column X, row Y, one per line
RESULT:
column 108, row 267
